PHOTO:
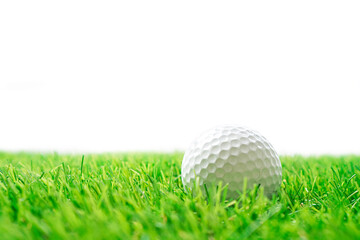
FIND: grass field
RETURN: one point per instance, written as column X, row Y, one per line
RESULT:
column 140, row 196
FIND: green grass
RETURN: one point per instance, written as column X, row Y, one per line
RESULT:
column 140, row 196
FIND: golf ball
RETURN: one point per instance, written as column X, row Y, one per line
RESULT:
column 230, row 154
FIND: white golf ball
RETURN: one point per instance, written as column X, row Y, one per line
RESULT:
column 230, row 154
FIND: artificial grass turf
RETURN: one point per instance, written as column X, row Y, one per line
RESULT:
column 140, row 196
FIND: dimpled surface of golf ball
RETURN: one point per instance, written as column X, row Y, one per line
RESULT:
column 230, row 154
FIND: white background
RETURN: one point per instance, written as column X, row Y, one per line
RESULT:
column 98, row 76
